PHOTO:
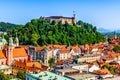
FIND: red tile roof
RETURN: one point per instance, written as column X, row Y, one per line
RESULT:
column 65, row 51
column 29, row 66
column 102, row 72
column 19, row 52
column 60, row 62
column 2, row 54
column 39, row 48
column 75, row 48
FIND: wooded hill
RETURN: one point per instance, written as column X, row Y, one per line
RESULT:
column 41, row 32
column 5, row 26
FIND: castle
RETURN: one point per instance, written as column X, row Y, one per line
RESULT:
column 70, row 20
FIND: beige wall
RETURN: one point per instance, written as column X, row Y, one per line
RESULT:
column 3, row 61
column 90, row 58
column 6, row 71
column 81, row 68
column 20, row 58
column 70, row 21
column 14, row 71
column 48, row 56
column 64, row 56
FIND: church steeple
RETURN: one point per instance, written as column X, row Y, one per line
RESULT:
column 10, row 41
column 16, row 40
column 10, row 51
column 106, row 38
column 115, row 35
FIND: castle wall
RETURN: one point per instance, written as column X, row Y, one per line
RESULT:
column 70, row 20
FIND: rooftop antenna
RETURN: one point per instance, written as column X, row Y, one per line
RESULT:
column 74, row 14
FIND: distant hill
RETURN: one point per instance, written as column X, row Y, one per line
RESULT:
column 117, row 31
column 106, row 31
column 41, row 32
column 102, row 30
column 5, row 26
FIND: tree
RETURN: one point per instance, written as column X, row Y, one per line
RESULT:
column 53, row 22
column 41, row 32
column 116, row 49
column 105, row 66
column 109, row 41
column 112, row 70
column 51, row 62
column 21, row 75
column 4, row 77
column 34, row 39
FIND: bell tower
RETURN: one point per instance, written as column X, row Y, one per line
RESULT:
column 10, row 52
column 10, row 41
column 115, row 35
column 16, row 41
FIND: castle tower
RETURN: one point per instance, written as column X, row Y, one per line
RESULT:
column 73, row 19
column 74, row 14
column 16, row 41
column 10, row 52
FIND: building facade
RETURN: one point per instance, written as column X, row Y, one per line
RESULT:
column 69, row 20
column 12, row 53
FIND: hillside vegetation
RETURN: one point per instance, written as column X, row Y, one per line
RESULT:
column 5, row 26
column 40, row 32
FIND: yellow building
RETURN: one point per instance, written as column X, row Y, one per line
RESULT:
column 89, row 58
column 5, row 69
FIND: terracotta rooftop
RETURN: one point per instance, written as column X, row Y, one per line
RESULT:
column 75, row 48
column 100, row 61
column 29, row 66
column 64, row 51
column 2, row 54
column 60, row 62
column 39, row 48
column 19, row 52
column 102, row 72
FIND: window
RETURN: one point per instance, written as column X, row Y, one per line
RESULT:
column 28, row 79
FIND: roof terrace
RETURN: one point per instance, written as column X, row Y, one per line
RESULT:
column 47, row 76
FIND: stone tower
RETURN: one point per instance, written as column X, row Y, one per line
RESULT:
column 74, row 14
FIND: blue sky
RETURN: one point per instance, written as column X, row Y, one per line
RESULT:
column 101, row 13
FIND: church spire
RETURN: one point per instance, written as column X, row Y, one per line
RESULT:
column 10, row 41
column 16, row 40
column 115, row 35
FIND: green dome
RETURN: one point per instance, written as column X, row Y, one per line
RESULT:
column 3, row 40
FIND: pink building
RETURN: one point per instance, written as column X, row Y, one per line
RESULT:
column 13, row 53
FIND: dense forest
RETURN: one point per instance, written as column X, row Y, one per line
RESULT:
column 41, row 32
column 5, row 26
